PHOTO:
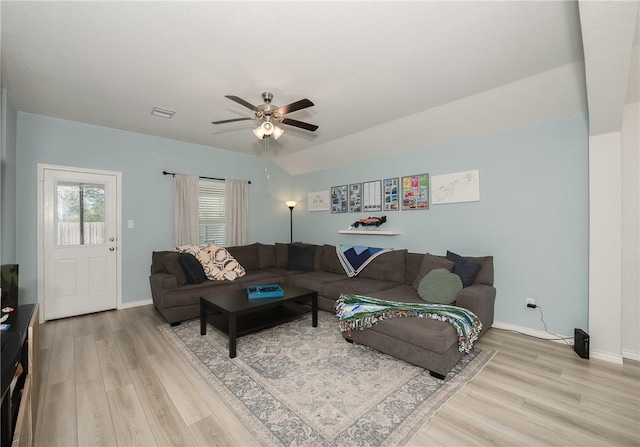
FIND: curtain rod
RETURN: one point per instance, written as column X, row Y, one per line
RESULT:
column 200, row 176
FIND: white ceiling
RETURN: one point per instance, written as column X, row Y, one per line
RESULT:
column 384, row 76
column 611, row 60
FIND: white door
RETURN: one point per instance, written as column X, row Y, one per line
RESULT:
column 80, row 242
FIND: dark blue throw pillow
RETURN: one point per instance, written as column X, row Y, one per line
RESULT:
column 464, row 268
column 301, row 257
column 192, row 269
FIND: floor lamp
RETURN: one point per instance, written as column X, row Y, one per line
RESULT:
column 291, row 204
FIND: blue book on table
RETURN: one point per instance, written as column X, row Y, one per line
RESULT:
column 265, row 291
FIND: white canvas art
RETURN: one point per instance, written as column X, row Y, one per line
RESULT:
column 319, row 201
column 457, row 187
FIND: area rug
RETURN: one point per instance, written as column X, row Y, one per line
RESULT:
column 295, row 385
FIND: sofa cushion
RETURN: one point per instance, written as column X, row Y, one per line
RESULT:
column 171, row 261
column 440, row 286
column 192, row 269
column 317, row 262
column 357, row 285
column 432, row 335
column 404, row 293
column 282, row 255
column 266, row 256
column 485, row 275
column 301, row 257
column 386, row 267
column 412, row 267
column 429, row 263
column 465, row 268
column 330, row 261
column 246, row 255
column 190, row 294
column 157, row 262
column 257, row 277
column 313, row 280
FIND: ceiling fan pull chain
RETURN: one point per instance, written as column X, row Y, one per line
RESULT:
column 266, row 156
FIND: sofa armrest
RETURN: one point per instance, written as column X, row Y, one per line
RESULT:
column 160, row 282
column 479, row 299
column 164, row 281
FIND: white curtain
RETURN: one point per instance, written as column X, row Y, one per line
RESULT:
column 185, row 206
column 236, row 211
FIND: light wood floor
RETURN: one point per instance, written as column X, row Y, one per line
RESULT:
column 111, row 379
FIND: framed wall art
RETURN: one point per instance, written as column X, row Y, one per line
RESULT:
column 415, row 192
column 355, row 197
column 339, row 199
column 456, row 187
column 391, row 194
column 371, row 196
column 319, row 201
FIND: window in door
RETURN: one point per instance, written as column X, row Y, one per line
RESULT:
column 80, row 214
column 211, row 212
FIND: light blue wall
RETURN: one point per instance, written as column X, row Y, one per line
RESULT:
column 8, row 181
column 147, row 195
column 532, row 217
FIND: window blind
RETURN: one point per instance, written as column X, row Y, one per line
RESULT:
column 211, row 212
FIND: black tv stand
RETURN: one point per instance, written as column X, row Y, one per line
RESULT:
column 20, row 375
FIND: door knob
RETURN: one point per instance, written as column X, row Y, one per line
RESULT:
column 111, row 248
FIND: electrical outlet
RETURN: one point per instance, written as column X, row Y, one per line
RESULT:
column 528, row 300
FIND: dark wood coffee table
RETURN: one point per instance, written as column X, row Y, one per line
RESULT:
column 234, row 313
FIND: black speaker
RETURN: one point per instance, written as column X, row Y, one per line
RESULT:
column 581, row 343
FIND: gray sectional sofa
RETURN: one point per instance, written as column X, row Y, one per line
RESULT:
column 430, row 344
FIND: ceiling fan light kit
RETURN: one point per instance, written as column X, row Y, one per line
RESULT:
column 258, row 132
column 267, row 129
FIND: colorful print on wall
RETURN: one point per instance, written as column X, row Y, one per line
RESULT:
column 339, row 199
column 391, row 194
column 355, row 198
column 415, row 192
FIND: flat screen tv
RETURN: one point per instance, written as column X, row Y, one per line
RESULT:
column 9, row 285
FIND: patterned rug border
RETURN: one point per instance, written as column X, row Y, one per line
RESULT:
column 400, row 435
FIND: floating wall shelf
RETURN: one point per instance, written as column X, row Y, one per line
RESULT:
column 371, row 232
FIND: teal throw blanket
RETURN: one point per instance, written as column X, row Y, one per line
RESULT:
column 361, row 312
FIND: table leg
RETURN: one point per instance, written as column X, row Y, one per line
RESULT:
column 232, row 337
column 314, row 310
column 203, row 318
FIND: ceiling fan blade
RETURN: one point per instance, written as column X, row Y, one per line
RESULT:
column 300, row 124
column 298, row 105
column 230, row 120
column 242, row 102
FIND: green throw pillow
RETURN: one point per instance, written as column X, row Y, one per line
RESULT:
column 440, row 286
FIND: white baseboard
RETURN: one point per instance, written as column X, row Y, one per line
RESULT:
column 631, row 355
column 134, row 304
column 532, row 332
column 607, row 357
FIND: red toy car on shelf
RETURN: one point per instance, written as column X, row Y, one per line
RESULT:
column 370, row 221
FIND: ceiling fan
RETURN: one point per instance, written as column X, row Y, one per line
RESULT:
column 270, row 115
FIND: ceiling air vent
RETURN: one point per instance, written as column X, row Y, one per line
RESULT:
column 162, row 112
